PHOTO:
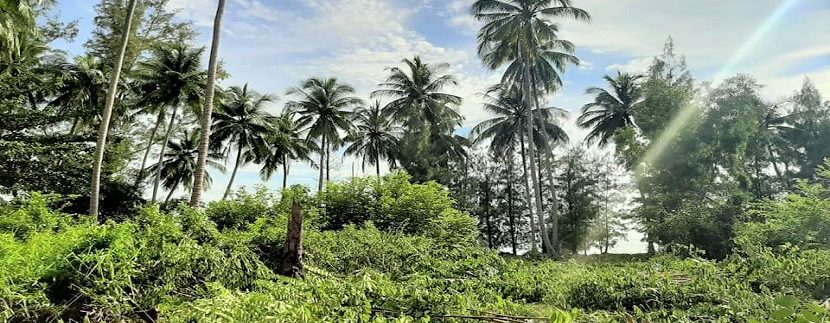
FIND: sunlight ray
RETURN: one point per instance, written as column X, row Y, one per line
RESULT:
column 682, row 118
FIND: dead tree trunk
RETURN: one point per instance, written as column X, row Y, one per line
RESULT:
column 292, row 252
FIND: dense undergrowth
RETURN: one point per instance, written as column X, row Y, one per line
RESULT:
column 215, row 265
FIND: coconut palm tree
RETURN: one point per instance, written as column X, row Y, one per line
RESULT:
column 285, row 143
column 611, row 110
column 774, row 126
column 510, row 115
column 178, row 166
column 507, row 128
column 171, row 80
column 416, row 95
column 206, row 117
column 376, row 137
column 325, row 106
column 103, row 130
column 83, row 86
column 242, row 122
column 521, row 35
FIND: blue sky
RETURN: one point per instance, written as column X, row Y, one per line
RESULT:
column 274, row 44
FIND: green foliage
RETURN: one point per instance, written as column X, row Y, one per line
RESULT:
column 242, row 210
column 180, row 267
column 805, row 272
column 28, row 215
column 801, row 220
column 392, row 203
column 452, row 228
column 791, row 309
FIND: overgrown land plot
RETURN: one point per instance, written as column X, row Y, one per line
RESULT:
column 385, row 251
column 425, row 161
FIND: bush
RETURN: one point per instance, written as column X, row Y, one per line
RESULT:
column 115, row 271
column 392, row 203
column 790, row 270
column 30, row 214
column 242, row 210
column 801, row 220
column 354, row 249
column 452, row 228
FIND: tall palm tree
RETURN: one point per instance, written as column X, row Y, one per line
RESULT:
column 207, row 114
column 242, row 121
column 285, row 143
column 774, row 126
column 510, row 114
column 376, row 137
column 448, row 147
column 507, row 128
column 325, row 106
column 521, row 35
column 178, row 166
column 172, row 79
column 416, row 95
column 612, row 110
column 103, row 130
column 83, row 86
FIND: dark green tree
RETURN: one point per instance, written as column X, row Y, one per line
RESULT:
column 375, row 137
column 326, row 107
column 178, row 165
column 172, row 80
column 243, row 122
column 611, row 111
column 521, row 35
column 283, row 144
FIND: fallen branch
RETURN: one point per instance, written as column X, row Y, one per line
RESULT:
column 512, row 316
column 490, row 317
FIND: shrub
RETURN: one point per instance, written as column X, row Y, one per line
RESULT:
column 801, row 220
column 392, row 203
column 790, row 270
column 115, row 271
column 242, row 210
column 29, row 214
column 452, row 228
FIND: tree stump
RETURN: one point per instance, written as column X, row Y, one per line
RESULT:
column 292, row 252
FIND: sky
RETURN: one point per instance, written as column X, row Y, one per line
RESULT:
column 274, row 44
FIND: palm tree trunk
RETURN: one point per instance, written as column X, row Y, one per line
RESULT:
column 291, row 264
column 531, row 152
column 74, row 127
column 510, row 216
column 486, row 206
column 103, row 130
column 204, row 143
column 377, row 164
column 235, row 169
column 170, row 194
column 554, row 207
column 328, row 161
column 526, row 180
column 322, row 164
column 775, row 165
column 169, row 133
column 159, row 121
column 284, row 174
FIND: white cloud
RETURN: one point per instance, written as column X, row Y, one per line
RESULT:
column 708, row 32
column 459, row 16
column 636, row 65
column 201, row 12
